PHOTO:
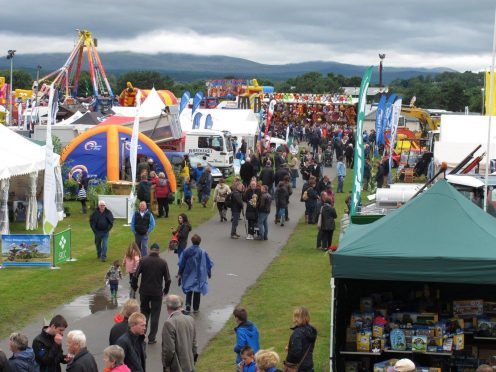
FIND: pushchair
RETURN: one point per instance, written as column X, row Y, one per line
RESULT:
column 328, row 155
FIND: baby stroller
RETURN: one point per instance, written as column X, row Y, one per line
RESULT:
column 328, row 155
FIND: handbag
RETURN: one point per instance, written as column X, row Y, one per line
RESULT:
column 293, row 367
column 174, row 243
column 82, row 193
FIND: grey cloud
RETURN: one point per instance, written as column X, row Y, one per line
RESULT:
column 421, row 26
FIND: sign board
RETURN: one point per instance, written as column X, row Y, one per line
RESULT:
column 26, row 250
column 117, row 204
column 62, row 247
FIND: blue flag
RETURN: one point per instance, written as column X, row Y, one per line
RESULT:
column 386, row 118
column 184, row 101
column 378, row 121
column 197, row 101
column 208, row 122
column 196, row 120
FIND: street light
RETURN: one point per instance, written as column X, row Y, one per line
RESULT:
column 381, row 56
column 10, row 55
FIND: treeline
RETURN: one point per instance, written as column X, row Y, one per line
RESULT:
column 449, row 90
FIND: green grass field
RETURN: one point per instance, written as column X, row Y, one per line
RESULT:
column 28, row 292
column 299, row 276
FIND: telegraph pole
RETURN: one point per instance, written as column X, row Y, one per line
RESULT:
column 381, row 57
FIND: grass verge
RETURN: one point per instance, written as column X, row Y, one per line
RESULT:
column 26, row 293
column 300, row 275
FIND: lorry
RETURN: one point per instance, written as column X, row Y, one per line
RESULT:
column 212, row 145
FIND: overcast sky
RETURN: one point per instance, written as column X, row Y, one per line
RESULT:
column 420, row 33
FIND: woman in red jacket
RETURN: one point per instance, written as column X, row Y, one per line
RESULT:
column 162, row 192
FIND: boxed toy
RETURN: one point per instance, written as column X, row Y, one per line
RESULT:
column 384, row 365
column 419, row 343
column 459, row 341
column 363, row 340
column 489, row 308
column 468, row 307
column 485, row 327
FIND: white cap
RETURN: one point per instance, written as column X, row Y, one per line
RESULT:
column 404, row 365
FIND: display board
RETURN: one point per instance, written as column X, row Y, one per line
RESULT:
column 26, row 250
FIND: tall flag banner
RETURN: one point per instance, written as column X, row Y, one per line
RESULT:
column 133, row 157
column 386, row 118
column 50, row 215
column 209, row 123
column 196, row 101
column 270, row 113
column 395, row 117
column 184, row 101
column 379, row 114
column 359, row 153
column 196, row 120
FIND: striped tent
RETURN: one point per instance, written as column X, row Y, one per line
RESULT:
column 166, row 95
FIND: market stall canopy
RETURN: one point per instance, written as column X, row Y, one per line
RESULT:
column 440, row 236
column 18, row 155
column 238, row 122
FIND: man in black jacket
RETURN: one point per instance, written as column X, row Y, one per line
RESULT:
column 47, row 346
column 101, row 222
column 155, row 283
column 133, row 343
column 236, row 209
column 82, row 361
column 246, row 172
column 267, row 176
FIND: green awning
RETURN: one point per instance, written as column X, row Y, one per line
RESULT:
column 440, row 236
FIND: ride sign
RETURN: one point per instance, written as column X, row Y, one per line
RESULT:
column 62, row 246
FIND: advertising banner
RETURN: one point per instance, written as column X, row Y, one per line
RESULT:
column 62, row 246
column 26, row 250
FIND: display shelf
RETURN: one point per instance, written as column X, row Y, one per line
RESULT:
column 434, row 353
column 398, row 351
column 359, row 353
column 484, row 338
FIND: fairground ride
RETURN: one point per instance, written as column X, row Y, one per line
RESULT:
column 66, row 78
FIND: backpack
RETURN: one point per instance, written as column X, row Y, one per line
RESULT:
column 228, row 201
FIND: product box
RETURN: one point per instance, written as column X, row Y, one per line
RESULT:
column 377, row 344
column 377, row 330
column 468, row 308
column 427, row 318
column 398, row 339
column 448, row 345
column 485, row 327
column 351, row 335
column 459, row 341
column 489, row 308
column 363, row 340
column 419, row 343
column 384, row 365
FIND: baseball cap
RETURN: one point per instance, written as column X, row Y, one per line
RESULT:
column 155, row 246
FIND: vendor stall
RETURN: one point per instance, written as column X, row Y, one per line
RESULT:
column 418, row 283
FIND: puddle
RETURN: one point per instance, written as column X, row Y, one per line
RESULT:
column 218, row 317
column 100, row 300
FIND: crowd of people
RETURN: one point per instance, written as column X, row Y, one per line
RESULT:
column 179, row 351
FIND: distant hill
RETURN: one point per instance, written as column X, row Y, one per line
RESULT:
column 188, row 67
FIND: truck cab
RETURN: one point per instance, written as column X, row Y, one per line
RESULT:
column 214, row 146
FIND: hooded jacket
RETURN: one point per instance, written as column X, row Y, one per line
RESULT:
column 246, row 335
column 24, row 361
column 302, row 339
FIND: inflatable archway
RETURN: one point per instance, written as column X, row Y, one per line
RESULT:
column 99, row 151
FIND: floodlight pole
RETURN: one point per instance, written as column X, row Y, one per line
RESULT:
column 381, row 57
column 10, row 55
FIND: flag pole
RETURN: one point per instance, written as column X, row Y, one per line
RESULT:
column 491, row 113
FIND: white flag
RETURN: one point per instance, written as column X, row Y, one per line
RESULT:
column 133, row 156
column 50, row 215
column 395, row 117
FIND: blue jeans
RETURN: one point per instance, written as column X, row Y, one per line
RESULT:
column 101, row 243
column 281, row 213
column 340, row 183
column 263, row 227
column 142, row 242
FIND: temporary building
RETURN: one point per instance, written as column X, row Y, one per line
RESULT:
column 103, row 152
column 241, row 123
column 439, row 240
column 21, row 160
column 455, row 243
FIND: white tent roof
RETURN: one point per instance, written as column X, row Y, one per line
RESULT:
column 151, row 107
column 18, row 155
column 238, row 122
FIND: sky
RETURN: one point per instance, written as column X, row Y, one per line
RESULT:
column 424, row 33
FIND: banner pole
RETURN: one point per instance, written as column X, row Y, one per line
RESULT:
column 71, row 259
column 52, row 243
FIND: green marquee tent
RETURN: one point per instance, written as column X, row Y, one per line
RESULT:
column 440, row 236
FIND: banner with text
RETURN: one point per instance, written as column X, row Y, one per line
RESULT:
column 26, row 250
column 62, row 247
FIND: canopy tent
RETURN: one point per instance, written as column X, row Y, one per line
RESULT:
column 440, row 237
column 90, row 118
column 152, row 106
column 166, row 96
column 19, row 157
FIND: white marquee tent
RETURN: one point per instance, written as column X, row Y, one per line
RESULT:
column 21, row 157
